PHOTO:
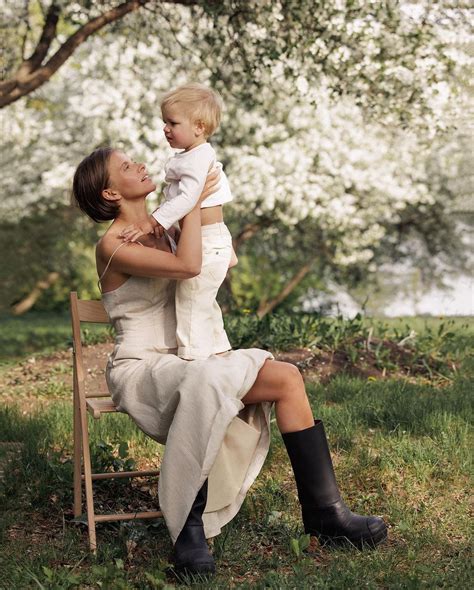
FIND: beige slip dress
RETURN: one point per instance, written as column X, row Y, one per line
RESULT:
column 193, row 407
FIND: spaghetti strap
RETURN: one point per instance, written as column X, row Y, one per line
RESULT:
column 110, row 260
column 171, row 242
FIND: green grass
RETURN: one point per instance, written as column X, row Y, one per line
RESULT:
column 423, row 323
column 400, row 449
column 37, row 332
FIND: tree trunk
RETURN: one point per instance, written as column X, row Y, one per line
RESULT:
column 267, row 306
column 27, row 302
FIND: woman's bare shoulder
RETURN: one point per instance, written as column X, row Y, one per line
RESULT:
column 107, row 244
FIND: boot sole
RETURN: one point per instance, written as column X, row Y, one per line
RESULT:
column 359, row 543
column 193, row 570
column 191, row 575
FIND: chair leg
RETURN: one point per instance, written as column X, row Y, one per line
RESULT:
column 77, row 458
column 88, row 480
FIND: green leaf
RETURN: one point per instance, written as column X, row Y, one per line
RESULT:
column 304, row 542
column 123, row 449
column 48, row 573
column 295, row 547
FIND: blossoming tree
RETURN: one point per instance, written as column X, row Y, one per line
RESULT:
column 325, row 138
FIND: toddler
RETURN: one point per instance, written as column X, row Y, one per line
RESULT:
column 192, row 114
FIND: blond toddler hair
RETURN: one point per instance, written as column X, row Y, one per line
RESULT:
column 198, row 103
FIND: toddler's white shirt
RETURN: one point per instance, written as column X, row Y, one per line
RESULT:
column 186, row 174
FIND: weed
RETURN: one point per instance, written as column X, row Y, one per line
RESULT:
column 56, row 578
column 157, row 580
column 111, row 456
column 111, row 576
column 35, row 331
column 299, row 545
column 434, row 350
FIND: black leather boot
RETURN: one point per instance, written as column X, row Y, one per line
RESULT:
column 324, row 513
column 191, row 553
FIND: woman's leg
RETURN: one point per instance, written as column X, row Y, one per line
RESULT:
column 283, row 384
column 325, row 514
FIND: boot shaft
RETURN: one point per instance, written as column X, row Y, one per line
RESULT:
column 197, row 509
column 312, row 465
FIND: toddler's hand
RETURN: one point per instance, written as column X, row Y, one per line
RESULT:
column 132, row 232
column 158, row 230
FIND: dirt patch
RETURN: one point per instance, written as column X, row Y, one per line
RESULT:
column 382, row 359
column 36, row 529
column 319, row 365
column 46, row 378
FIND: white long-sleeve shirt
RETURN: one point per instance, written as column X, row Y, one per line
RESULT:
column 186, row 174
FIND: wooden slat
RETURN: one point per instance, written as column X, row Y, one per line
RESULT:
column 123, row 474
column 92, row 311
column 128, row 516
column 102, row 393
column 100, row 406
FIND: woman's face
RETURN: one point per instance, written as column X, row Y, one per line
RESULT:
column 128, row 178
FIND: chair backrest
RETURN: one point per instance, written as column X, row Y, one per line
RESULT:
column 91, row 311
column 85, row 310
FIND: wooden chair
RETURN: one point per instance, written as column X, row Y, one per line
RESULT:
column 97, row 403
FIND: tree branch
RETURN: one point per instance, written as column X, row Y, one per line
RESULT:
column 31, row 74
column 249, row 231
column 26, row 81
column 27, row 302
column 47, row 36
column 30, row 78
column 268, row 306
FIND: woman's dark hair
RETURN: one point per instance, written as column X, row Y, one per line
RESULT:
column 90, row 179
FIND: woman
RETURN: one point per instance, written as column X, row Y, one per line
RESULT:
column 214, row 414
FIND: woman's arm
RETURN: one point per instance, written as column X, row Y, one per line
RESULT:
column 134, row 259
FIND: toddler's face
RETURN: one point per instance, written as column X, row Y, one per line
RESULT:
column 179, row 130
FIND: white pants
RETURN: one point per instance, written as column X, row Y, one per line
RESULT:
column 200, row 329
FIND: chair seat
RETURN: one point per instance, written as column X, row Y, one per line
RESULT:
column 102, row 405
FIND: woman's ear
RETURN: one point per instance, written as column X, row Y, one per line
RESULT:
column 111, row 195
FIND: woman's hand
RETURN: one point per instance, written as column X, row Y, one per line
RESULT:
column 233, row 259
column 211, row 185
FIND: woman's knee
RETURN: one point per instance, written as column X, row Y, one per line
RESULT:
column 277, row 381
column 293, row 380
